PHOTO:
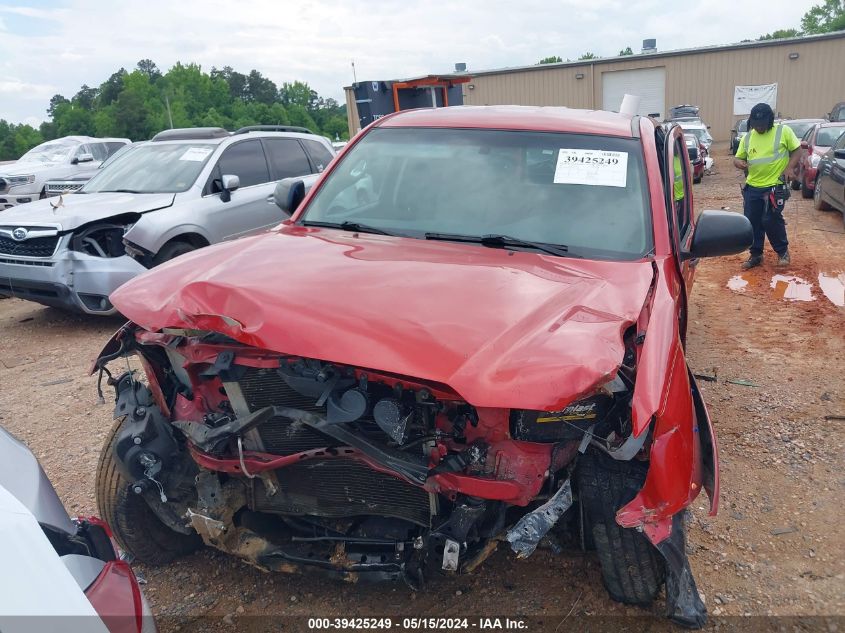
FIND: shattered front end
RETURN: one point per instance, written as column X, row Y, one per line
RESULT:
column 291, row 462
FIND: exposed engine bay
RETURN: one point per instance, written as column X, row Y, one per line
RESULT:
column 290, row 462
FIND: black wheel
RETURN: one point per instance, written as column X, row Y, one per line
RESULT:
column 632, row 569
column 806, row 192
column 697, row 180
column 171, row 250
column 795, row 184
column 818, row 203
column 134, row 525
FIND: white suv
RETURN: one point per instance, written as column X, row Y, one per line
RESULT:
column 24, row 180
column 182, row 190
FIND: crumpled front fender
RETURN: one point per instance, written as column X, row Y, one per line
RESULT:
column 113, row 345
column 666, row 400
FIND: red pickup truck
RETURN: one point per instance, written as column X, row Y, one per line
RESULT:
column 470, row 332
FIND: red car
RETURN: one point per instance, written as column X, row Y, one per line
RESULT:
column 815, row 143
column 470, row 332
column 697, row 156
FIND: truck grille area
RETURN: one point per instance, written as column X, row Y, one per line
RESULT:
column 327, row 487
column 35, row 247
column 264, row 388
column 340, row 487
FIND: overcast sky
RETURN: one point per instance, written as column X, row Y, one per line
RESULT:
column 55, row 46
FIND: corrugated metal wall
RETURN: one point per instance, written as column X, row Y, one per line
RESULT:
column 807, row 87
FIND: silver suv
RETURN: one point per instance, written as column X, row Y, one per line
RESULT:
column 183, row 190
column 24, row 180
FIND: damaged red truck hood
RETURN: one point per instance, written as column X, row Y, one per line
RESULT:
column 500, row 328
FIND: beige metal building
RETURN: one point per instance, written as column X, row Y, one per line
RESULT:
column 809, row 72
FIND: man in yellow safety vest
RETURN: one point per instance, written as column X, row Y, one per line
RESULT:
column 769, row 154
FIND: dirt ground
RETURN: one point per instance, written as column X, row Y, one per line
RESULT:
column 775, row 548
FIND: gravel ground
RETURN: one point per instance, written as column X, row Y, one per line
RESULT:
column 775, row 548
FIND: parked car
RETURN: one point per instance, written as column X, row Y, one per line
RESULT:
column 829, row 191
column 683, row 112
column 23, row 181
column 697, row 153
column 496, row 332
column 701, row 131
column 70, row 183
column 801, row 126
column 58, row 573
column 815, row 143
column 837, row 113
column 737, row 132
column 185, row 189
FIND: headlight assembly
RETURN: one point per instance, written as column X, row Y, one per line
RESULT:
column 14, row 181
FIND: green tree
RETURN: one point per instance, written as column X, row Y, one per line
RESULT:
column 148, row 67
column 110, row 89
column 260, row 89
column 85, row 98
column 300, row 116
column 589, row 56
column 140, row 103
column 779, row 34
column 626, row 51
column 55, row 101
column 824, row 18
column 553, row 59
column 297, row 93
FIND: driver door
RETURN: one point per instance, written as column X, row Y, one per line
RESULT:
column 680, row 214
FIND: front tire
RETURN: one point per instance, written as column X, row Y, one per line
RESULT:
column 632, row 569
column 172, row 250
column 134, row 525
column 818, row 202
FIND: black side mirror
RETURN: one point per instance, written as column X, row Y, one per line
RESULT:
column 839, row 153
column 227, row 184
column 719, row 233
column 288, row 194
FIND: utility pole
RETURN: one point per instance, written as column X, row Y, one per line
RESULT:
column 354, row 76
column 169, row 116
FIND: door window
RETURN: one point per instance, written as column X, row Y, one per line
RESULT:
column 287, row 158
column 681, row 199
column 99, row 151
column 320, row 156
column 246, row 161
column 112, row 147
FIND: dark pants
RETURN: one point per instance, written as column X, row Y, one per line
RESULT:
column 764, row 221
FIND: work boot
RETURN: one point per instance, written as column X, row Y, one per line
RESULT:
column 783, row 260
column 752, row 262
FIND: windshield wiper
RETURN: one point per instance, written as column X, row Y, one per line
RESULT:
column 349, row 226
column 501, row 241
column 121, row 191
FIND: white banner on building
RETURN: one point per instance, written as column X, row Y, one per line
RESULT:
column 746, row 97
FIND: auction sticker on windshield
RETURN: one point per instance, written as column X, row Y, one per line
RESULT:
column 591, row 167
column 197, row 154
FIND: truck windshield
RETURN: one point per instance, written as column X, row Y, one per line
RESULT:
column 51, row 152
column 585, row 192
column 153, row 168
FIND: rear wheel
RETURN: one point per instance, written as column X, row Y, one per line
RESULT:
column 806, row 192
column 795, row 184
column 134, row 525
column 632, row 569
column 171, row 251
column 818, row 202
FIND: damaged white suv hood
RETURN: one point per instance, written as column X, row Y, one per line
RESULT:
column 73, row 210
